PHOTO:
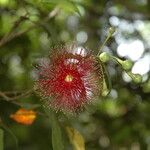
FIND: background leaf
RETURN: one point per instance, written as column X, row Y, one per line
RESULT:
column 12, row 135
column 66, row 5
column 1, row 139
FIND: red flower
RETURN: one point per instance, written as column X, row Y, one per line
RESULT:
column 69, row 78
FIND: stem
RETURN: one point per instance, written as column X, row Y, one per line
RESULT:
column 117, row 60
column 111, row 31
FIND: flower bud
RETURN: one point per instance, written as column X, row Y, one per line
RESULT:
column 137, row 78
column 104, row 57
column 127, row 64
column 111, row 30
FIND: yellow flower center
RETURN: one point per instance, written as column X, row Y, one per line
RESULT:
column 69, row 78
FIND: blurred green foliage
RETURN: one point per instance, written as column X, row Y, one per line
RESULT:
column 28, row 30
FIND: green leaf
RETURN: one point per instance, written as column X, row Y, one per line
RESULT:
column 57, row 140
column 1, row 139
column 56, row 135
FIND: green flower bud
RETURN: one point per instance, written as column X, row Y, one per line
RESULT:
column 127, row 64
column 137, row 78
column 146, row 86
column 104, row 57
column 111, row 30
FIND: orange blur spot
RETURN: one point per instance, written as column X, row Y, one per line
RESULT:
column 24, row 116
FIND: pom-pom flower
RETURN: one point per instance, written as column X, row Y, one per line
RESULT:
column 69, row 78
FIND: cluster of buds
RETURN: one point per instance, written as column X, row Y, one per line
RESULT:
column 125, row 64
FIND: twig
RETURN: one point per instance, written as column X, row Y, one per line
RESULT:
column 13, row 92
column 8, row 37
column 12, row 99
column 10, row 34
column 8, row 98
column 15, row 35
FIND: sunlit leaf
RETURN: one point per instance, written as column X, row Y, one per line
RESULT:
column 76, row 138
column 4, row 2
column 24, row 116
